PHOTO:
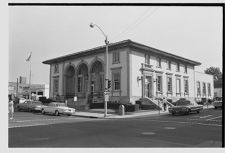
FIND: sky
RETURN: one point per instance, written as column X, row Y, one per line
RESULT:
column 52, row 31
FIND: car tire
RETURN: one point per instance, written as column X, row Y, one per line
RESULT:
column 56, row 113
column 18, row 108
column 173, row 113
column 43, row 111
column 215, row 107
column 188, row 112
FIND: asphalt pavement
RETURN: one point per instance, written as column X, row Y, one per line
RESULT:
column 143, row 131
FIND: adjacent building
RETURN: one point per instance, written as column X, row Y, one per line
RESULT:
column 22, row 89
column 136, row 71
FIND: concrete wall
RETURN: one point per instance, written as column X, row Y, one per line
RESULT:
column 204, row 78
column 136, row 86
column 115, row 95
column 218, row 92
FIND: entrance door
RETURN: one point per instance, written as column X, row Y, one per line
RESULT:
column 148, row 87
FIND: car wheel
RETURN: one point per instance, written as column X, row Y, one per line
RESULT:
column 18, row 108
column 56, row 113
column 215, row 107
column 173, row 113
column 42, row 111
column 188, row 112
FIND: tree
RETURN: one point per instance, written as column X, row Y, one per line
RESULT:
column 217, row 75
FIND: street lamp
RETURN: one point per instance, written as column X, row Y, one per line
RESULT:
column 106, row 94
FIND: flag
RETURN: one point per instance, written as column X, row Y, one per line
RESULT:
column 29, row 57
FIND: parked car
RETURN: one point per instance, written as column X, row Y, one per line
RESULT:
column 28, row 105
column 217, row 102
column 58, row 108
column 37, row 106
column 184, row 106
column 22, row 100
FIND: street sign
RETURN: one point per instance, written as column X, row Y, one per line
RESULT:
column 106, row 92
column 106, row 97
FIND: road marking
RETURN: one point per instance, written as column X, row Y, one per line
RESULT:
column 214, row 118
column 148, row 133
column 202, row 120
column 19, row 126
column 205, row 116
column 23, row 121
column 47, row 119
column 169, row 128
column 39, row 139
column 187, row 123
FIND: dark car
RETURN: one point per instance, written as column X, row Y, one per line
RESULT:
column 28, row 105
column 218, row 102
column 185, row 107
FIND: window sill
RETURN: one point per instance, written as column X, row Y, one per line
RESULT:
column 116, row 62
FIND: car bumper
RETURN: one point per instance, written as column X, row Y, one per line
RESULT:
column 37, row 109
column 68, row 112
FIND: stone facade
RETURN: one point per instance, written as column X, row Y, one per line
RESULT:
column 136, row 71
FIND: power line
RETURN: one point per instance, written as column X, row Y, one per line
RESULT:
column 137, row 22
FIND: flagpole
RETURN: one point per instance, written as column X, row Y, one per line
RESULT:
column 30, row 82
column 29, row 60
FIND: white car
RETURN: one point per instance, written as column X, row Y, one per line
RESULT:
column 22, row 100
column 58, row 108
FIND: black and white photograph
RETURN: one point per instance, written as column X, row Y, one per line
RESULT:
column 115, row 75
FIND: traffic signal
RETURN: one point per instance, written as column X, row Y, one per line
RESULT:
column 109, row 84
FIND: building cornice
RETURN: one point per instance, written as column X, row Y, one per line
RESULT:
column 119, row 45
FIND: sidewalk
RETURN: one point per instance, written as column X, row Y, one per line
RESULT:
column 99, row 113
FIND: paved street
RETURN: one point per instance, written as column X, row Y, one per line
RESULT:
column 194, row 130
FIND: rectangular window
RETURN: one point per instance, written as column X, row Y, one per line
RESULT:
column 158, row 62
column 178, row 67
column 169, row 84
column 168, row 65
column 116, row 57
column 203, row 89
column 186, row 90
column 147, row 59
column 56, row 85
column 209, row 89
column 178, row 85
column 56, row 68
column 116, row 81
column 198, row 89
column 185, row 69
column 159, row 83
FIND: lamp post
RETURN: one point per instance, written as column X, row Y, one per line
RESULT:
column 106, row 95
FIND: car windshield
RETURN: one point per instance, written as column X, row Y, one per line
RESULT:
column 37, row 103
column 61, row 105
column 218, row 98
column 183, row 103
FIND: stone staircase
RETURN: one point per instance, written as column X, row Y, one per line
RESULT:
column 148, row 103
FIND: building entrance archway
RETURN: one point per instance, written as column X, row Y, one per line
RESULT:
column 70, row 82
column 82, row 81
column 97, row 79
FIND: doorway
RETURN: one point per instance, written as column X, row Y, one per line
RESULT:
column 148, row 87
